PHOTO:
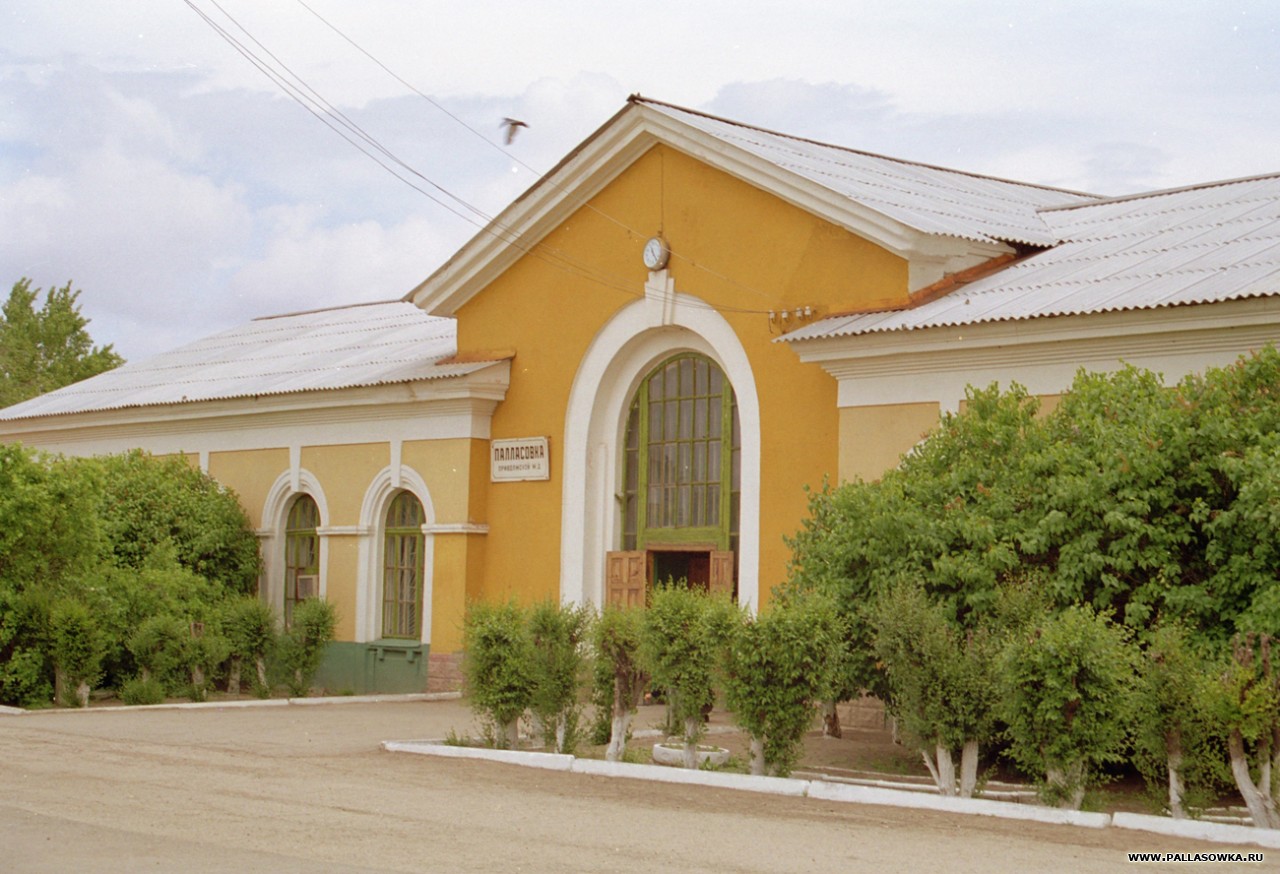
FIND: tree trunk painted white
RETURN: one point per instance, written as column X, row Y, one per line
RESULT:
column 1069, row 783
column 968, row 768
column 618, row 736
column 757, row 755
column 1264, row 774
column 933, row 769
column 830, row 720
column 562, row 728
column 1177, row 791
column 511, row 734
column 262, row 672
column 82, row 693
column 692, row 728
column 946, row 776
column 233, row 676
column 1263, row 816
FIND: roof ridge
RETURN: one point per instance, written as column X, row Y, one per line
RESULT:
column 1162, row 192
column 639, row 98
column 332, row 309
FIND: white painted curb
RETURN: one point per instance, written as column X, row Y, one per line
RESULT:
column 1218, row 832
column 722, row 779
column 546, row 761
column 979, row 806
column 824, row 790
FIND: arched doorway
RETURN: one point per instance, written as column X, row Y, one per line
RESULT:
column 682, row 462
column 636, row 340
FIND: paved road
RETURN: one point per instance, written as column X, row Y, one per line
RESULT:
column 307, row 789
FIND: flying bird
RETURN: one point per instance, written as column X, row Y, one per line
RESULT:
column 513, row 126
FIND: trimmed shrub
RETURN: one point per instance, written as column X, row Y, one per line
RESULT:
column 775, row 675
column 159, row 646
column 303, row 644
column 498, row 667
column 1068, row 694
column 142, row 690
column 682, row 644
column 76, row 650
column 558, row 633
column 250, row 628
column 619, row 675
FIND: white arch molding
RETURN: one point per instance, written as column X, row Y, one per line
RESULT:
column 280, row 496
column 629, row 345
column 373, row 510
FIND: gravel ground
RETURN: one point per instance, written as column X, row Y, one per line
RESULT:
column 307, row 788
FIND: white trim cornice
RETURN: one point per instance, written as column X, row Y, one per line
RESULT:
column 427, row 411
column 938, row 364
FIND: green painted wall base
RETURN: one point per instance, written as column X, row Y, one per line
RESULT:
column 388, row 666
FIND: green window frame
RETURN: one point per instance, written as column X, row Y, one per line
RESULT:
column 682, row 457
column 404, row 547
column 301, row 549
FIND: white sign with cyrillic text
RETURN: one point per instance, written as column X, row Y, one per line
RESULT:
column 519, row 458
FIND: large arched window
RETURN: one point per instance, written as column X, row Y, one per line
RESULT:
column 682, row 455
column 301, row 554
column 402, row 572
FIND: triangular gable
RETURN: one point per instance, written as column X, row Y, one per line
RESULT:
column 924, row 214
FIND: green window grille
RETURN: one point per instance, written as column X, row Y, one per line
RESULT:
column 681, row 458
column 402, row 572
column 301, row 554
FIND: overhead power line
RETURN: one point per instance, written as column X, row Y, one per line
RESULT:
column 299, row 90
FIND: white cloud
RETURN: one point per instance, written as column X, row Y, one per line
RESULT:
column 146, row 160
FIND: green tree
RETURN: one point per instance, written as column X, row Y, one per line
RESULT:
column 77, row 650
column 148, row 503
column 250, row 628
column 1177, row 748
column 942, row 680
column 303, row 644
column 1067, row 699
column 617, row 639
column 685, row 632
column 45, row 348
column 499, row 667
column 558, row 635
column 1245, row 704
column 1107, row 516
column 775, row 667
column 49, row 541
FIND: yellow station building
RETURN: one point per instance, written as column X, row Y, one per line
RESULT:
column 637, row 369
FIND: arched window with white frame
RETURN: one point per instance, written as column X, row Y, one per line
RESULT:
column 403, row 554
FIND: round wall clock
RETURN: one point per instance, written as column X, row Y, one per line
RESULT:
column 656, row 253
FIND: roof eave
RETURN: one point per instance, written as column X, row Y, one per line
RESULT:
column 604, row 155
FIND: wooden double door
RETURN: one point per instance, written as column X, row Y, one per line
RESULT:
column 630, row 573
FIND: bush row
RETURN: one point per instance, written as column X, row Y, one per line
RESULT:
column 133, row 573
column 686, row 645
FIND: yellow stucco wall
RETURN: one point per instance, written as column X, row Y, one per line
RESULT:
column 874, row 438
column 734, row 246
column 251, row 474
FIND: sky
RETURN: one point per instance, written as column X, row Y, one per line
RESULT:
column 149, row 163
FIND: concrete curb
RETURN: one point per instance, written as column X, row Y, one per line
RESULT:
column 547, row 761
column 976, row 806
column 1220, row 833
column 245, row 703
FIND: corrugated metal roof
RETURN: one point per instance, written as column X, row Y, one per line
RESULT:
column 1205, row 244
column 345, row 347
column 932, row 200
